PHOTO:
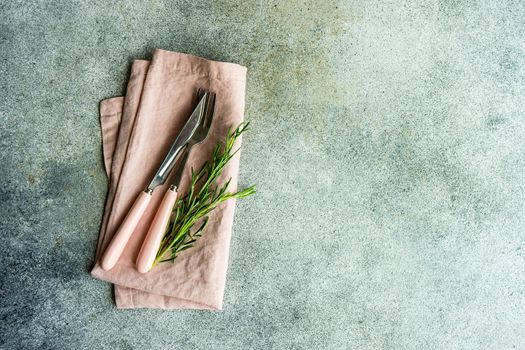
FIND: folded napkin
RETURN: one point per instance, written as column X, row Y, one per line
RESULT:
column 137, row 131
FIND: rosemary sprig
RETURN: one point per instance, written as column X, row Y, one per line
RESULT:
column 203, row 196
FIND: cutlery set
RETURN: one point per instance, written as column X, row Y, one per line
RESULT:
column 194, row 132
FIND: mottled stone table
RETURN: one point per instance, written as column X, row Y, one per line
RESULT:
column 387, row 143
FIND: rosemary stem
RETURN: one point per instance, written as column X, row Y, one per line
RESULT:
column 204, row 195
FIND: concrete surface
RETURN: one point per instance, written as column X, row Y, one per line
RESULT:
column 387, row 145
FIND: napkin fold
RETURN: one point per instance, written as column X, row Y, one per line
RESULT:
column 137, row 131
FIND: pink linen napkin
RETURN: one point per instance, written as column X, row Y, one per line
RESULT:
column 137, row 131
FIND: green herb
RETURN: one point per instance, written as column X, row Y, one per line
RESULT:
column 203, row 196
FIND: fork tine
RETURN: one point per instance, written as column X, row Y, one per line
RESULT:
column 210, row 107
column 198, row 95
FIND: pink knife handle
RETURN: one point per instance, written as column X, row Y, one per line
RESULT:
column 156, row 231
column 121, row 238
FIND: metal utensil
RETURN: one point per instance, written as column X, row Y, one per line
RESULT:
column 151, row 244
column 121, row 238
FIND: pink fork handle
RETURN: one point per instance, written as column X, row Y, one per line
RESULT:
column 156, row 231
column 121, row 238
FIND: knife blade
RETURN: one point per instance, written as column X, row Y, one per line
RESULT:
column 184, row 136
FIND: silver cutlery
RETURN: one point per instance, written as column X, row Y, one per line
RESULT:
column 123, row 234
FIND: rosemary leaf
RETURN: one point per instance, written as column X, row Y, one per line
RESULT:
column 204, row 195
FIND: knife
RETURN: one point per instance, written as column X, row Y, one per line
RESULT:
column 121, row 237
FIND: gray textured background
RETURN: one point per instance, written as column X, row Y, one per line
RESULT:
column 387, row 145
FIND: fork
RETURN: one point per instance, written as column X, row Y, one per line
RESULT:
column 151, row 244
